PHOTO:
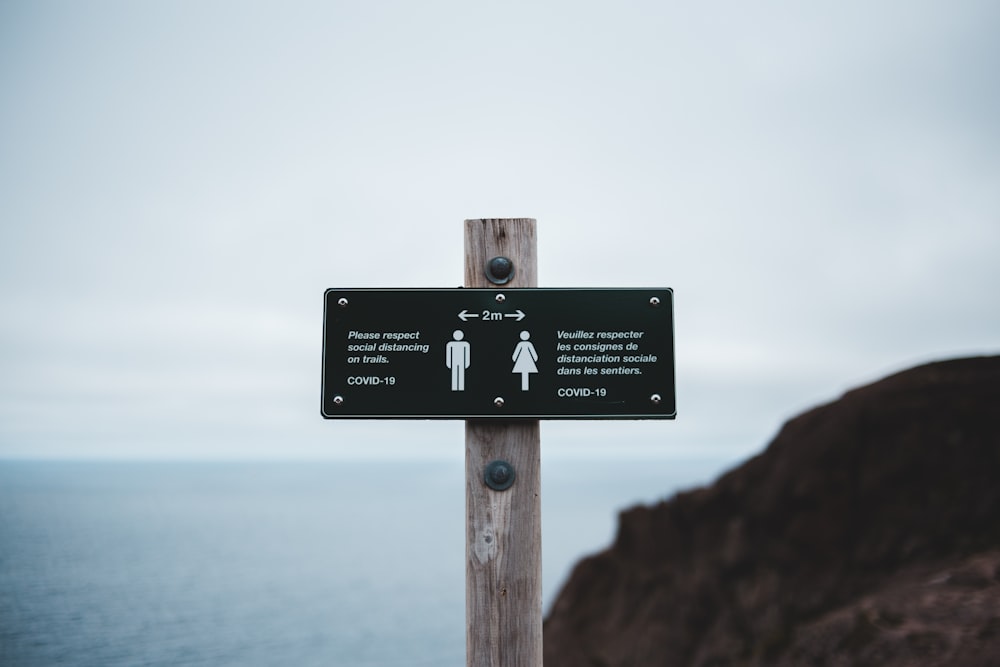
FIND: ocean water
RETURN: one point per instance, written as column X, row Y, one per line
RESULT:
column 333, row 563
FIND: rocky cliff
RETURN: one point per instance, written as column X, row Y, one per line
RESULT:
column 867, row 533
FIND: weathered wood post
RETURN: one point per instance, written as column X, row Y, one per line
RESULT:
column 503, row 572
column 601, row 353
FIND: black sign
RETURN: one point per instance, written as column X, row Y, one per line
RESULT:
column 501, row 354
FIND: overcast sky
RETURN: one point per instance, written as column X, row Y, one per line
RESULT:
column 180, row 181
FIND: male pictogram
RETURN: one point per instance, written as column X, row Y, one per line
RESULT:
column 458, row 356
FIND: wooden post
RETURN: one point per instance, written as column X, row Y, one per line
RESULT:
column 503, row 529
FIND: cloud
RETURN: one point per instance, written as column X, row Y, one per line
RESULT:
column 179, row 185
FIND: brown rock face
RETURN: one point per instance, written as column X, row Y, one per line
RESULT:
column 867, row 533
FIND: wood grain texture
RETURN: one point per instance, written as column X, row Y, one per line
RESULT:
column 503, row 577
column 511, row 237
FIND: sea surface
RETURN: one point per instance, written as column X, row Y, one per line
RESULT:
column 332, row 563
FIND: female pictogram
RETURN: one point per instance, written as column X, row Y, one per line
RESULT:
column 524, row 359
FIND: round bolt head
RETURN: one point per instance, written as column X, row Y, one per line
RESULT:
column 342, row 302
column 655, row 399
column 338, row 400
column 498, row 401
column 499, row 270
column 501, row 298
column 499, row 475
column 654, row 301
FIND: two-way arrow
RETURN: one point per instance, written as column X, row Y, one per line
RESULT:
column 465, row 315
